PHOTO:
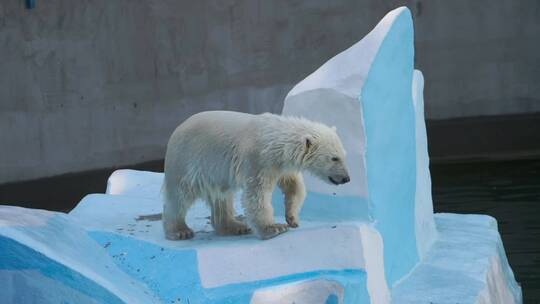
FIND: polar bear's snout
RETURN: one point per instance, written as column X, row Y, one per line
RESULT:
column 339, row 179
column 339, row 176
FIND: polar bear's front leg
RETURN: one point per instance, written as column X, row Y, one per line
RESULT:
column 292, row 185
column 223, row 218
column 257, row 203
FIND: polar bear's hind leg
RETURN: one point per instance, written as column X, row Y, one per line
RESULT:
column 175, row 208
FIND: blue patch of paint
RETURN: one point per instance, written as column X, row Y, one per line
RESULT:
column 389, row 120
column 325, row 207
column 16, row 256
column 172, row 274
column 332, row 299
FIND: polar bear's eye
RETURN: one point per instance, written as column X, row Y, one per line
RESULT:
column 335, row 159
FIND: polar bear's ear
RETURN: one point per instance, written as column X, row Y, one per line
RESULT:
column 306, row 146
column 308, row 143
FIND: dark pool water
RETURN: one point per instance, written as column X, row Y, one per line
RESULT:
column 508, row 191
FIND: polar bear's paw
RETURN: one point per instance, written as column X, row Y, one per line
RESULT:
column 292, row 221
column 234, row 228
column 273, row 230
column 182, row 234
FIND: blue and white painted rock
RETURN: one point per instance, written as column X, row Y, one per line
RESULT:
column 366, row 92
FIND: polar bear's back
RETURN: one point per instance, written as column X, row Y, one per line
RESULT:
column 204, row 148
column 214, row 129
column 220, row 122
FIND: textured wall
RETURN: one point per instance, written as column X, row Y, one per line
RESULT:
column 98, row 83
column 479, row 57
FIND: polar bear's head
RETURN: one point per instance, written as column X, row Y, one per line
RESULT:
column 324, row 155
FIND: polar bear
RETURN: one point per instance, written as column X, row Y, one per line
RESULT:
column 214, row 154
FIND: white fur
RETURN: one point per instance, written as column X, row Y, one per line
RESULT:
column 214, row 154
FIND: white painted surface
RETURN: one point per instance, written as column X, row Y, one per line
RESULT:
column 497, row 290
column 300, row 251
column 19, row 217
column 131, row 182
column 426, row 233
column 374, row 264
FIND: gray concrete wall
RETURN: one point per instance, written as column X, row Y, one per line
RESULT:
column 97, row 83
column 479, row 57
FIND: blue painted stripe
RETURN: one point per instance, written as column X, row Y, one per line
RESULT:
column 389, row 120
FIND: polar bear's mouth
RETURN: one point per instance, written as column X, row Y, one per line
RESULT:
column 333, row 181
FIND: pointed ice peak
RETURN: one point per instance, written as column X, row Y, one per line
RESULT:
column 337, row 73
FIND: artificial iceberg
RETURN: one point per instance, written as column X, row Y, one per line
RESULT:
column 374, row 240
column 365, row 92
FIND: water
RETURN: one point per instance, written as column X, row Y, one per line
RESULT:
column 508, row 191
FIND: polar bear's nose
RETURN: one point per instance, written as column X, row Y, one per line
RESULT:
column 345, row 180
